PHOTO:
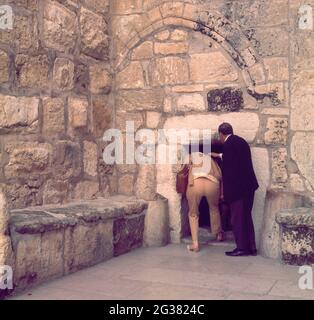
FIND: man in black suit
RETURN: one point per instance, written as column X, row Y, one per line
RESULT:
column 239, row 185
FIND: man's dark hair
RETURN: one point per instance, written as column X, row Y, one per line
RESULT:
column 225, row 128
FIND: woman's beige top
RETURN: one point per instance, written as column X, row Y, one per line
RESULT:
column 203, row 166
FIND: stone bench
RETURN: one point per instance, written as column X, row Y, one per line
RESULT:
column 297, row 235
column 52, row 241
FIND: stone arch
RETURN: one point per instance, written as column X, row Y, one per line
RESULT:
column 211, row 23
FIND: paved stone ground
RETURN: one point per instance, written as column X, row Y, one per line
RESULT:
column 172, row 272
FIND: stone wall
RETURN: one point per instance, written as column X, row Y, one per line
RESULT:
column 72, row 69
column 55, row 84
column 196, row 63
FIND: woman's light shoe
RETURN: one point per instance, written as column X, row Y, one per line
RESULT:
column 193, row 249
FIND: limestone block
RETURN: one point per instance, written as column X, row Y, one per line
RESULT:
column 63, row 74
column 211, row 67
column 276, row 201
column 38, row 258
column 86, row 190
column 260, row 158
column 153, row 119
column 302, row 101
column 90, row 158
column 126, row 184
column 4, row 67
column 302, row 152
column 123, row 117
column 67, row 157
column 87, row 245
column 128, row 233
column 191, row 102
column 156, row 227
column 32, row 71
column 102, row 115
column 55, row 192
column 24, row 35
column 100, row 79
column 144, row 51
column 277, row 69
column 53, row 115
column 245, row 124
column 145, row 185
column 169, row 48
column 60, row 29
column 279, row 165
column 168, row 70
column 95, row 41
column 101, row 6
column 162, row 35
column 131, row 77
column 78, row 112
column 296, row 183
column 27, row 157
column 148, row 99
column 127, row 7
column 277, row 132
column 179, row 35
column 274, row 42
column 297, row 227
column 19, row 112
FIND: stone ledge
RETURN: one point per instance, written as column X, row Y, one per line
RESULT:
column 52, row 241
column 47, row 218
column 299, row 217
column 297, row 235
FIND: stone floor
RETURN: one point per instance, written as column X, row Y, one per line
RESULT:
column 172, row 272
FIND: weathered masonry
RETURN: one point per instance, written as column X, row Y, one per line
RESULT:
column 70, row 70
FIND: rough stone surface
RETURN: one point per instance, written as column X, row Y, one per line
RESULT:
column 297, row 227
column 302, row 101
column 131, row 77
column 276, row 201
column 27, row 158
column 32, row 72
column 279, row 165
column 18, row 113
column 53, row 115
column 90, row 158
column 94, row 38
column 191, row 102
column 302, row 151
column 211, row 67
column 227, row 99
column 169, row 70
column 63, row 74
column 4, row 67
column 60, row 27
column 150, row 99
column 145, row 185
column 78, row 112
column 245, row 124
column 156, row 230
column 52, row 241
column 277, row 131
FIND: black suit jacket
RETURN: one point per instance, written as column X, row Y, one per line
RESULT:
column 238, row 174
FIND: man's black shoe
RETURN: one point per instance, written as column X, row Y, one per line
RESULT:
column 238, row 253
column 253, row 253
column 229, row 252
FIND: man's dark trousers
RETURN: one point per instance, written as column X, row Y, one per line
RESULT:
column 242, row 222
